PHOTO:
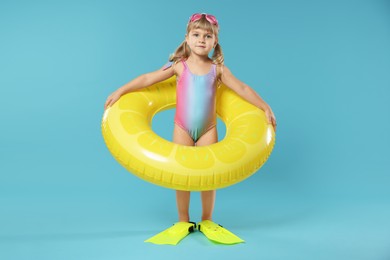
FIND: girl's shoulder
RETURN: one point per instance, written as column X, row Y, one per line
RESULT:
column 177, row 66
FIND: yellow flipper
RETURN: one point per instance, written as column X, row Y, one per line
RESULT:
column 217, row 233
column 173, row 235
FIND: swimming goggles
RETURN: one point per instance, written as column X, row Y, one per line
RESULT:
column 209, row 17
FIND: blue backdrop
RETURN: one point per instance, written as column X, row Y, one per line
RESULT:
column 323, row 66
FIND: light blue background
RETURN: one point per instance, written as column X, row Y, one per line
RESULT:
column 323, row 66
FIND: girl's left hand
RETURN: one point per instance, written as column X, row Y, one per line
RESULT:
column 270, row 117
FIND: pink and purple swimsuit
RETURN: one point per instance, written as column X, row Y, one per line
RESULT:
column 195, row 101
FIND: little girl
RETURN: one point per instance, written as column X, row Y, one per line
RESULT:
column 195, row 118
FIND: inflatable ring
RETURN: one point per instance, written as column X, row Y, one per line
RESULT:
column 126, row 128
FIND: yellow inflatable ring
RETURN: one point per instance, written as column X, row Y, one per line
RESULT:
column 126, row 128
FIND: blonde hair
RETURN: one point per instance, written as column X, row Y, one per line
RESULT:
column 183, row 51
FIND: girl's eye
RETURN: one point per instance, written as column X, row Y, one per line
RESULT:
column 209, row 36
column 195, row 34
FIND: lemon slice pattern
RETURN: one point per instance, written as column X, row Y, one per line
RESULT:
column 126, row 128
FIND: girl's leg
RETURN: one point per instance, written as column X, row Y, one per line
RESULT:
column 183, row 205
column 208, row 197
column 180, row 136
column 208, row 201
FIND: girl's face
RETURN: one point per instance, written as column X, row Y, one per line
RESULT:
column 200, row 41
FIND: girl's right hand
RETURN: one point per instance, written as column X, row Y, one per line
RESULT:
column 270, row 117
column 112, row 99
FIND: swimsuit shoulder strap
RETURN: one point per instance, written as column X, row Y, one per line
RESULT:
column 184, row 63
column 214, row 68
column 185, row 67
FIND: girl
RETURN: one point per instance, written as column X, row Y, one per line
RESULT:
column 195, row 118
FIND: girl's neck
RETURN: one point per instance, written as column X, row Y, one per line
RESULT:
column 198, row 59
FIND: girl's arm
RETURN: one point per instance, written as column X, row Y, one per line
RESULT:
column 140, row 82
column 247, row 93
